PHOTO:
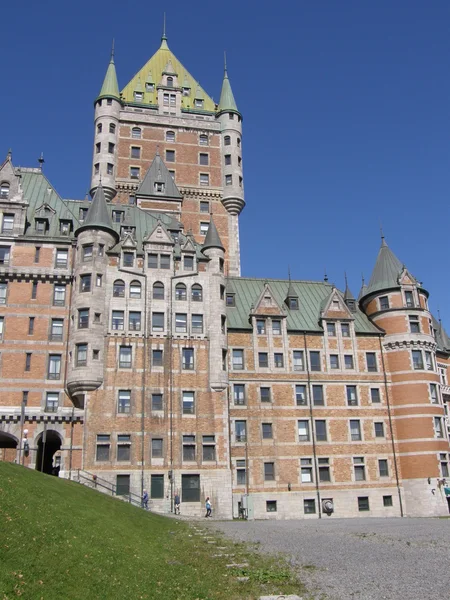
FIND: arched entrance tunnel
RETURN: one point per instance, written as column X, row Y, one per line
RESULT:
column 8, row 447
column 48, row 444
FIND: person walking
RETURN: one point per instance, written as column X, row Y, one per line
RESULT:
column 208, row 507
column 177, row 503
column 145, row 500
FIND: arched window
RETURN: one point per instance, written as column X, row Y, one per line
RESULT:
column 170, row 82
column 227, row 140
column 135, row 289
column 170, row 136
column 99, row 128
column 203, row 140
column 180, row 291
column 197, row 292
column 136, row 133
column 112, row 128
column 158, row 290
column 118, row 289
column 4, row 190
column 239, row 142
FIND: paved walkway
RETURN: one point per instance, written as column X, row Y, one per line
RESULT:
column 359, row 559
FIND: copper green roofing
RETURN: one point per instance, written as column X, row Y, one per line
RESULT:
column 157, row 65
column 110, row 87
column 386, row 271
column 212, row 239
column 227, row 101
column 311, row 296
column 98, row 215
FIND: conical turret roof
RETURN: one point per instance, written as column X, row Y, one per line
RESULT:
column 212, row 239
column 227, row 101
column 347, row 294
column 98, row 215
column 110, row 87
column 386, row 271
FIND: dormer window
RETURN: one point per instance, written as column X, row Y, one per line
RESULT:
column 4, row 190
column 351, row 305
column 186, row 91
column 230, row 300
column 41, row 225
column 82, row 214
column 159, row 187
column 64, row 227
column 198, row 103
column 149, row 87
column 293, row 303
column 188, row 263
column 170, row 82
column 127, row 229
column 128, row 259
column 138, row 96
column 117, row 216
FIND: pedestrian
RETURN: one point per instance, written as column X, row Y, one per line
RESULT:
column 145, row 499
column 177, row 503
column 208, row 507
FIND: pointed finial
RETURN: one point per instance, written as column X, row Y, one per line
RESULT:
column 225, row 62
column 383, row 241
column 362, row 280
column 439, row 314
column 345, row 277
column 164, row 27
column 325, row 275
column 289, row 274
column 9, row 155
column 112, row 51
column 41, row 161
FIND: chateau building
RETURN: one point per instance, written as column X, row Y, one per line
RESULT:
column 132, row 349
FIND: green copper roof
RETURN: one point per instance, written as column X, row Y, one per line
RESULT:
column 227, row 101
column 158, row 173
column 98, row 216
column 311, row 296
column 386, row 271
column 212, row 239
column 157, row 65
column 110, row 87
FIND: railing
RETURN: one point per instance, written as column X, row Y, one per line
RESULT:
column 98, row 483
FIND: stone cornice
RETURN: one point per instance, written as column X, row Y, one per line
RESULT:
column 409, row 344
column 16, row 273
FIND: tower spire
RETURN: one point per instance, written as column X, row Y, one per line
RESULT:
column 112, row 51
column 227, row 101
column 164, row 45
column 225, row 61
column 110, row 87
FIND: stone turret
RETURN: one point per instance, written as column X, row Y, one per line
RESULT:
column 107, row 113
column 215, row 251
column 233, row 181
column 89, row 313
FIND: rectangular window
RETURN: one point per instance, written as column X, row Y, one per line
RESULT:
column 331, row 329
column 230, row 300
column 203, row 159
column 371, row 360
column 134, row 321
column 152, row 261
column 417, row 359
column 239, row 394
column 170, row 155
column 125, row 357
column 384, row 303
column 306, row 470
column 30, row 325
column 124, row 401
column 37, row 254
column 409, row 298
column 8, row 223
column 334, row 361
column 309, row 507
column 265, row 394
column 188, row 359
column 204, row 179
column 379, row 430
column 241, row 475
column 204, row 228
column 318, row 396
column 122, row 485
column 263, row 359
column 438, row 430
column 204, row 206
column 276, row 327
column 117, row 322
column 164, row 261
column 228, row 159
column 61, row 258
column 157, row 486
column 190, row 488
column 54, row 366
column 269, row 471
column 181, row 323
column 299, row 364
column 157, row 358
column 124, row 447
column 85, row 282
column 271, row 506
column 267, row 431
column 443, row 457
column 103, row 447
column 303, row 430
column 238, row 360
column 359, row 468
column 197, row 324
column 383, row 467
column 157, row 448
column 83, row 318
column 387, row 501
column 434, row 393
column 321, row 430
column 157, row 321
column 414, row 325
column 348, row 361
column 188, row 403
column 324, row 469
column 188, row 263
column 28, row 361
column 135, row 152
column 56, row 333
column 189, row 448
column 2, row 321
column 429, row 361
column 209, row 448
column 375, row 395
column 128, row 259
column 278, row 360
column 34, row 287
column 363, row 503
column 240, row 430
column 81, row 355
column 355, row 430
column 314, row 361
column 345, row 329
column 4, row 255
column 134, row 172
column 352, row 396
column 260, row 326
column 300, row 395
column 228, row 180
column 87, row 252
column 51, row 401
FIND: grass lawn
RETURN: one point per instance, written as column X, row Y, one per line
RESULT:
column 62, row 541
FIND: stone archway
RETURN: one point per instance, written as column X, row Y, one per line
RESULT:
column 47, row 443
column 8, row 447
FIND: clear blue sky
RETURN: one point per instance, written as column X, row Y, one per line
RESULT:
column 346, row 111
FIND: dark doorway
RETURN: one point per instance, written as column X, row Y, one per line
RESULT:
column 48, row 444
column 8, row 447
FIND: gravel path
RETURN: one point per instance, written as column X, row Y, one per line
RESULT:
column 359, row 559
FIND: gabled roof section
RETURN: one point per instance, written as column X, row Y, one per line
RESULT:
column 267, row 303
column 160, row 235
column 158, row 173
column 311, row 294
column 157, row 65
column 212, row 239
column 189, row 245
column 9, row 175
column 227, row 101
column 110, row 87
column 334, row 306
column 98, row 215
column 386, row 272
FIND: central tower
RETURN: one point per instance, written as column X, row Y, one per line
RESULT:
column 164, row 111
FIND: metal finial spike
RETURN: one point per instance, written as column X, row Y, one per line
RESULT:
column 9, row 155
column 325, row 276
column 439, row 314
column 381, row 231
column 289, row 274
column 225, row 61
column 362, row 279
column 41, row 160
column 112, row 50
column 164, row 27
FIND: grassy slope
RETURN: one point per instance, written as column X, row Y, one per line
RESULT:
column 60, row 540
